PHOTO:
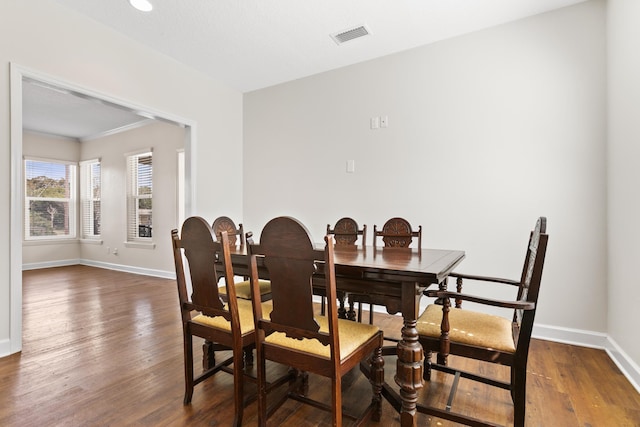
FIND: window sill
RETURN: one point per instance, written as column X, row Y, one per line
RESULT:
column 39, row 242
column 140, row 245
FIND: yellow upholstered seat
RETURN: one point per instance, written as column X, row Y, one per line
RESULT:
column 351, row 336
column 245, row 313
column 469, row 327
column 243, row 289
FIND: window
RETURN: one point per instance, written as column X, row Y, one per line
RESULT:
column 50, row 201
column 139, row 196
column 90, row 189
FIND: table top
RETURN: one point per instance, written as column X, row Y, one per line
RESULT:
column 420, row 265
column 433, row 263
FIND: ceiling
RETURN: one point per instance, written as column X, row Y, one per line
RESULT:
column 60, row 112
column 253, row 44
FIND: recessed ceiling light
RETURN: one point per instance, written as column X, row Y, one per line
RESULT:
column 142, row 5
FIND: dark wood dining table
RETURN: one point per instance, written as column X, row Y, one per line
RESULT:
column 395, row 278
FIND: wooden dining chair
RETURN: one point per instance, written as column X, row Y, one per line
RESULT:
column 228, row 323
column 395, row 233
column 224, row 223
column 294, row 336
column 345, row 234
column 236, row 237
column 486, row 337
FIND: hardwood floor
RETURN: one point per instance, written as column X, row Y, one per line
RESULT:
column 104, row 348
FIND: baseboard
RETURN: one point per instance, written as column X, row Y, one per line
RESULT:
column 110, row 266
column 130, row 269
column 628, row 367
column 594, row 340
column 50, row 264
column 5, row 347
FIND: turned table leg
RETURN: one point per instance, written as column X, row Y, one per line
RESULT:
column 410, row 356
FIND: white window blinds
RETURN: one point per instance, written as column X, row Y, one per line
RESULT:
column 90, row 193
column 140, row 196
column 50, row 201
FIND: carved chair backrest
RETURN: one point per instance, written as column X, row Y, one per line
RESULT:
column 201, row 251
column 288, row 254
column 397, row 233
column 346, row 232
column 224, row 223
column 530, row 281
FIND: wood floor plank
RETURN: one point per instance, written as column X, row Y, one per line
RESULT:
column 104, row 348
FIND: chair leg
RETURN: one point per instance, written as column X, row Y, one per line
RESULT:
column 303, row 390
column 262, row 389
column 426, row 374
column 208, row 355
column 188, row 366
column 371, row 314
column 248, row 357
column 342, row 311
column 238, row 387
column 336, row 399
column 377, row 382
column 518, row 394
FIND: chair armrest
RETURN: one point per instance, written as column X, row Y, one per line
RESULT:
column 485, row 279
column 522, row 305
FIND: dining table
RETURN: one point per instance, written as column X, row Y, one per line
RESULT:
column 396, row 279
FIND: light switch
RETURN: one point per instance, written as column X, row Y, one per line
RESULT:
column 384, row 121
column 351, row 166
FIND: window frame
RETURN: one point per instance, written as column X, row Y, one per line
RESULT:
column 71, row 201
column 134, row 197
column 88, row 199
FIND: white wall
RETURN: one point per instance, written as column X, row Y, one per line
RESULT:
column 486, row 132
column 165, row 139
column 623, row 33
column 43, row 36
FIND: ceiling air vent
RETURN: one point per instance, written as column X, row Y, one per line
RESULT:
column 350, row 34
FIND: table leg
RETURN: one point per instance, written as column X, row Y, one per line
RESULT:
column 410, row 355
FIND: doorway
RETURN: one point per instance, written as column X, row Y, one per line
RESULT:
column 18, row 76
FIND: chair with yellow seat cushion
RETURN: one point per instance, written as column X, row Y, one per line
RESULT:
column 243, row 288
column 294, row 336
column 481, row 336
column 238, row 238
column 204, row 313
column 345, row 234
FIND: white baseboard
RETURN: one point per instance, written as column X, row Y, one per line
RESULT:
column 130, row 269
column 110, row 266
column 594, row 340
column 49, row 264
column 5, row 347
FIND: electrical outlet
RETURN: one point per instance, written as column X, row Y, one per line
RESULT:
column 115, row 251
column 375, row 122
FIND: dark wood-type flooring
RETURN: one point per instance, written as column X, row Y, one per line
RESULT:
column 104, row 348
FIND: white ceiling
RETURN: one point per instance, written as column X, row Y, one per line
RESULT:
column 59, row 112
column 252, row 44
